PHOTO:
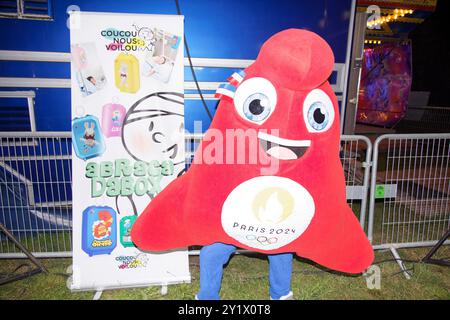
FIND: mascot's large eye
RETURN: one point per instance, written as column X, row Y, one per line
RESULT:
column 318, row 116
column 318, row 111
column 257, row 107
column 255, row 100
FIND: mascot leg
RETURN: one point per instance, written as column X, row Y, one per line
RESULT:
column 280, row 273
column 212, row 260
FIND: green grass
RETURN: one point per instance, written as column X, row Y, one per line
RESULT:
column 245, row 277
column 38, row 241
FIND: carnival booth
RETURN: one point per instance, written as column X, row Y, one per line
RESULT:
column 386, row 70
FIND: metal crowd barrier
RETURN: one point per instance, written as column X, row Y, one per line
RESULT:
column 36, row 193
column 356, row 155
column 409, row 198
column 410, row 184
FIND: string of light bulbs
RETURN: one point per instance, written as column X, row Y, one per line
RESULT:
column 372, row 41
column 397, row 13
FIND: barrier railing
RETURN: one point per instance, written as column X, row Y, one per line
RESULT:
column 409, row 198
column 356, row 155
column 36, row 194
column 410, row 195
column 409, row 189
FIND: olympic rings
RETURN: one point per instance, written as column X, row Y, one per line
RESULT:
column 262, row 239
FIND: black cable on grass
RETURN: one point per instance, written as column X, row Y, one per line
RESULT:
column 402, row 271
column 407, row 270
column 192, row 67
column 4, row 275
column 395, row 259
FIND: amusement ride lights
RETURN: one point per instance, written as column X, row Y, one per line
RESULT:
column 397, row 13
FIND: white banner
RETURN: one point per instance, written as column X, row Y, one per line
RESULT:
column 128, row 143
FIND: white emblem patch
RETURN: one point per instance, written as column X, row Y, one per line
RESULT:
column 267, row 212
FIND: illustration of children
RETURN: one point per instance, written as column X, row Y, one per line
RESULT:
column 91, row 85
column 158, row 67
column 87, row 67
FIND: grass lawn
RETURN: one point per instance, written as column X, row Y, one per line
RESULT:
column 245, row 277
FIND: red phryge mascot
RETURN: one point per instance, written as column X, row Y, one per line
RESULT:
column 291, row 196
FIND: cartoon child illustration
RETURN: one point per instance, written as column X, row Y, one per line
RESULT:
column 145, row 127
column 142, row 258
column 147, row 35
column 145, row 132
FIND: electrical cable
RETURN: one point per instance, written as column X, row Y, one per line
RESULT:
column 406, row 270
column 5, row 275
column 395, row 259
column 192, row 67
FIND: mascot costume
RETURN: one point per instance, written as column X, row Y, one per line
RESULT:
column 284, row 103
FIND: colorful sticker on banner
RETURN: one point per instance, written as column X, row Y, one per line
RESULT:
column 139, row 260
column 126, row 72
column 125, row 231
column 87, row 68
column 87, row 137
column 112, row 119
column 99, row 234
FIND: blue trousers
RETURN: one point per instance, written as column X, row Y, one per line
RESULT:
column 215, row 256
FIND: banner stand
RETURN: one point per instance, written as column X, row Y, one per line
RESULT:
column 127, row 81
column 163, row 291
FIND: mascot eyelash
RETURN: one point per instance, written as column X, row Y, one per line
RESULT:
column 227, row 91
